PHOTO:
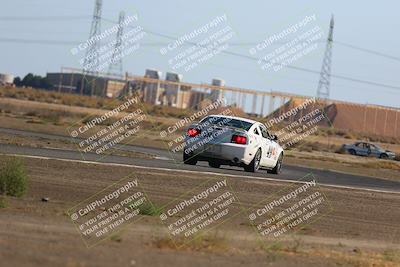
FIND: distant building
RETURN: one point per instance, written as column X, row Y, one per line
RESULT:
column 115, row 88
column 217, row 95
column 172, row 91
column 169, row 92
column 176, row 94
column 86, row 84
column 151, row 91
column 183, row 98
column 162, row 93
column 6, row 79
column 196, row 98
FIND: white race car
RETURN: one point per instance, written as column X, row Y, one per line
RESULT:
column 234, row 141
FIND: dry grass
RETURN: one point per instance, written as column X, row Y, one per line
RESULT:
column 348, row 134
column 294, row 246
column 3, row 203
column 309, row 146
column 214, row 243
column 382, row 164
column 343, row 256
column 355, row 161
column 86, row 101
column 356, row 257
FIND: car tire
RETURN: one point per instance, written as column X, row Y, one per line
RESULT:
column 384, row 156
column 189, row 159
column 255, row 163
column 278, row 166
column 214, row 164
column 352, row 152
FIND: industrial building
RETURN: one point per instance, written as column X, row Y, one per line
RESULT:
column 172, row 91
column 151, row 91
column 86, row 83
column 217, row 95
column 6, row 79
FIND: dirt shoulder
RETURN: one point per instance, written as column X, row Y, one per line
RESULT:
column 344, row 163
column 37, row 233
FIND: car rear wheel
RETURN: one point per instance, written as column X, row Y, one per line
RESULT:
column 278, row 166
column 189, row 159
column 214, row 164
column 255, row 163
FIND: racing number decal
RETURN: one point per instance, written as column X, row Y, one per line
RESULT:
column 271, row 152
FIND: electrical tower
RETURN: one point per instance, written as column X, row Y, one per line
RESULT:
column 91, row 58
column 325, row 76
column 115, row 66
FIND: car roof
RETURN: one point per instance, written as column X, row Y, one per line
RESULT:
column 363, row 142
column 237, row 118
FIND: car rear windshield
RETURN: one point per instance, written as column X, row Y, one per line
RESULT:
column 224, row 121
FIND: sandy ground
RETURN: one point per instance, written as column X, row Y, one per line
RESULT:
column 360, row 228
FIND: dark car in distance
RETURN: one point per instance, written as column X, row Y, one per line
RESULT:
column 368, row 150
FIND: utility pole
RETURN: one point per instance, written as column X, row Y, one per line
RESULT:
column 115, row 66
column 91, row 60
column 323, row 90
column 91, row 57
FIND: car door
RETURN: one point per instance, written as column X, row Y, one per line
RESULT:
column 362, row 149
column 257, row 135
column 258, row 140
column 367, row 148
column 268, row 148
column 375, row 151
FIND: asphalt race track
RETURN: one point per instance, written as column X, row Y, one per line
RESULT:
column 168, row 161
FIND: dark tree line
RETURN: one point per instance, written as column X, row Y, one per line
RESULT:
column 35, row 81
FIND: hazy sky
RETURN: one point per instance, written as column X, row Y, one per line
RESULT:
column 372, row 25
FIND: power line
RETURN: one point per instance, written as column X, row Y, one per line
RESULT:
column 47, row 18
column 37, row 41
column 54, row 42
column 44, row 41
column 342, row 77
column 368, row 51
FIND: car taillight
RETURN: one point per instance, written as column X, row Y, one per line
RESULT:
column 239, row 139
column 193, row 132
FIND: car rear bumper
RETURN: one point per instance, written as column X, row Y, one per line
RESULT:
column 227, row 152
